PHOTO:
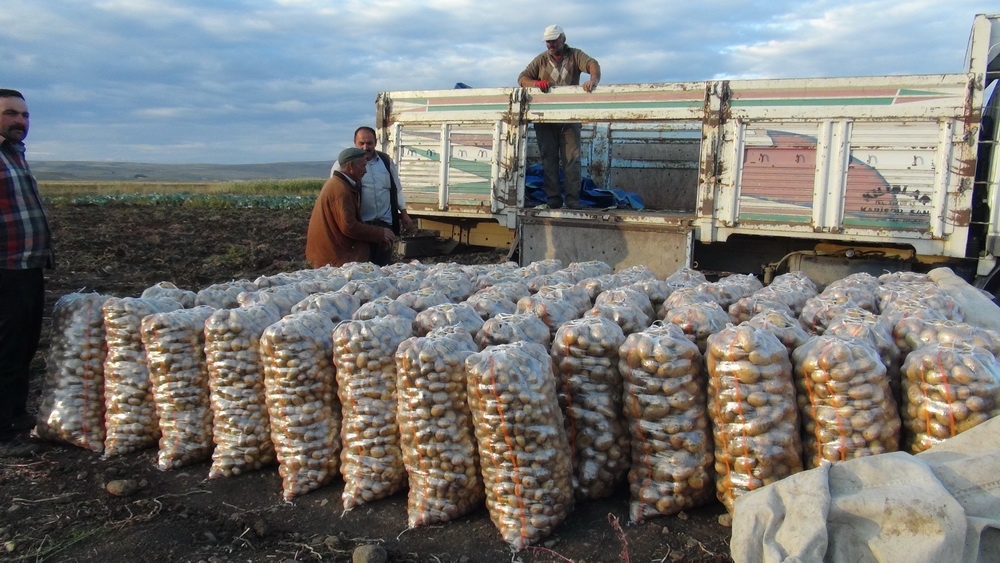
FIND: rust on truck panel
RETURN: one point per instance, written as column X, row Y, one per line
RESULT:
column 960, row 217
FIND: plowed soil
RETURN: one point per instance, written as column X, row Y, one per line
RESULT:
column 55, row 504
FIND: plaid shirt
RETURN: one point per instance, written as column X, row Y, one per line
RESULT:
column 25, row 236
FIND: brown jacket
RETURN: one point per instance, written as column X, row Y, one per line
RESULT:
column 336, row 234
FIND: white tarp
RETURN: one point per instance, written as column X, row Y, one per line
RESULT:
column 942, row 505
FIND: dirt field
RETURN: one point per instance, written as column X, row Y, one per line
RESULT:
column 56, row 506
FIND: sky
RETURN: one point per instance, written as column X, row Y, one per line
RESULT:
column 259, row 81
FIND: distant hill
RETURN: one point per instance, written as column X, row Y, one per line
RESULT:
column 48, row 170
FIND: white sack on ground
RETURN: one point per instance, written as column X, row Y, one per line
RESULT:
column 940, row 505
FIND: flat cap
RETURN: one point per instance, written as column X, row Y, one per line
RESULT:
column 349, row 154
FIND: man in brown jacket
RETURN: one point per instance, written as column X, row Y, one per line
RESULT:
column 336, row 233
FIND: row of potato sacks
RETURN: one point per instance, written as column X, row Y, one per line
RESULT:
column 531, row 388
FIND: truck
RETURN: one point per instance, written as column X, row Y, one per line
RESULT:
column 828, row 176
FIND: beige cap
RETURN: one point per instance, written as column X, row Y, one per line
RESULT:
column 552, row 33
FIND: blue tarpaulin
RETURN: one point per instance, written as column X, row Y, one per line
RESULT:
column 590, row 194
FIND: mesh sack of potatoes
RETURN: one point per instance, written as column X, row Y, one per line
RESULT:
column 300, row 391
column 540, row 267
column 423, row 298
column 562, row 277
column 338, row 305
column 495, row 276
column 684, row 296
column 597, row 285
column 371, row 460
column 360, row 270
column 523, row 450
column 751, row 305
column 796, row 280
column 166, row 289
column 455, row 332
column 570, row 293
column 820, row 310
column 284, row 297
column 72, row 403
column 896, row 311
column 792, row 299
column 406, row 282
column 488, row 303
column 588, row 269
column 456, row 286
column 913, row 332
column 857, row 279
column 664, row 405
column 627, row 296
column 383, row 307
column 630, row 317
column 657, row 291
column 512, row 290
column 782, row 324
column 636, row 273
column 130, row 417
column 863, row 295
column 281, row 278
column 241, row 427
column 370, row 289
column 926, row 300
column 461, row 314
column 686, row 276
column 752, row 406
column 589, row 387
column 904, row 277
column 947, row 389
column 404, row 269
column 553, row 312
column 698, row 321
column 732, row 288
column 178, row 373
column 845, row 403
column 310, row 281
column 224, row 295
column 876, row 331
column 435, row 426
column 507, row 328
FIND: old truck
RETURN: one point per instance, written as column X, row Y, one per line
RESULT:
column 824, row 175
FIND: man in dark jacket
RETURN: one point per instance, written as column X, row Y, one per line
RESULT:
column 336, row 233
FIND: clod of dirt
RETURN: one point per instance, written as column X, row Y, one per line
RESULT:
column 369, row 554
column 726, row 520
column 122, row 487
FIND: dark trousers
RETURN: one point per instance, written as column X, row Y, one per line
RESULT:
column 560, row 141
column 22, row 301
column 381, row 254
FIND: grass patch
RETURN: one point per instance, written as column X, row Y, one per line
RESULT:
column 70, row 189
column 271, row 194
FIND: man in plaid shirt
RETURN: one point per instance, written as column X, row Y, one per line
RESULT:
column 25, row 250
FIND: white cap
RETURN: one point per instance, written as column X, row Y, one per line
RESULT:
column 552, row 33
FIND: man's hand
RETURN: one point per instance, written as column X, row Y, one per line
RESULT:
column 542, row 85
column 388, row 237
column 589, row 85
column 405, row 221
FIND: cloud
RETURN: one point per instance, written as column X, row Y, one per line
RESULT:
column 274, row 80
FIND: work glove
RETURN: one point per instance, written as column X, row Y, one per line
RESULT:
column 542, row 85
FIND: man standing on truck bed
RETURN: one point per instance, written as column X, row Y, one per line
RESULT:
column 25, row 250
column 560, row 65
column 382, row 202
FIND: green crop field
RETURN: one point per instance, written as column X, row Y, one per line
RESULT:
column 280, row 194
